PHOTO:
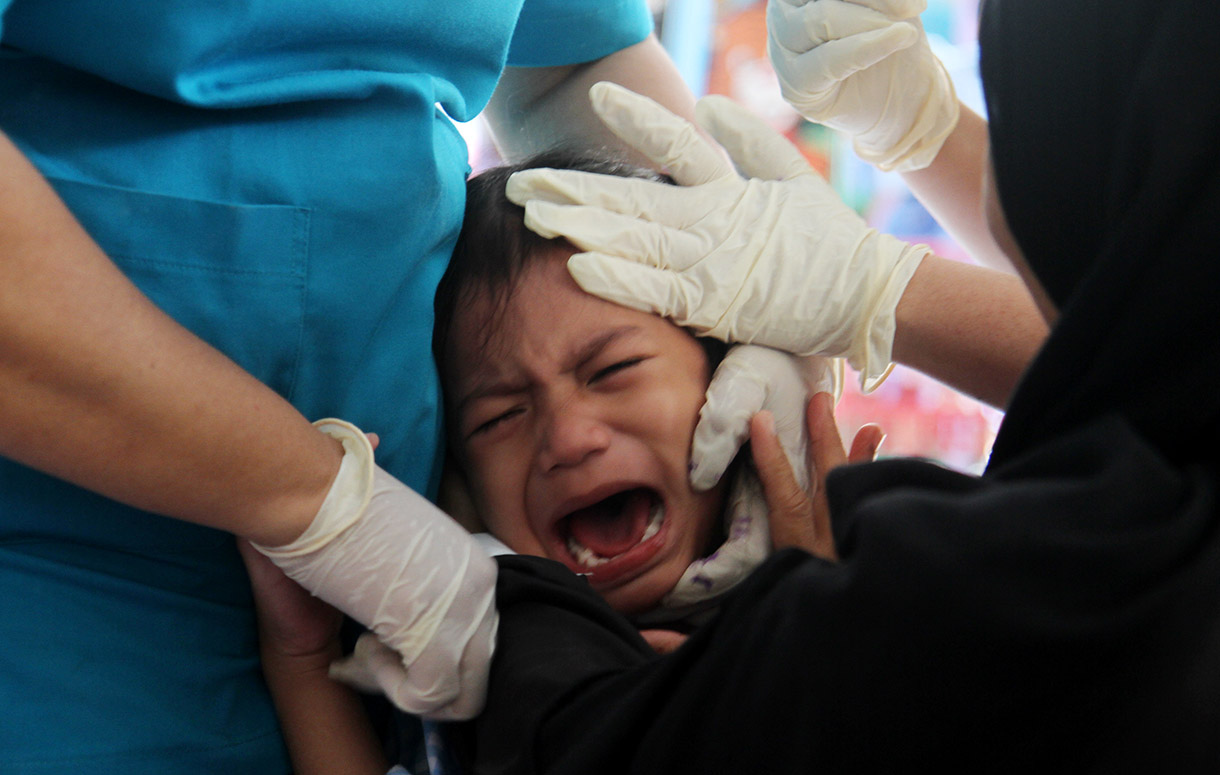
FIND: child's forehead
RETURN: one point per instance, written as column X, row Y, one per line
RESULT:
column 545, row 315
column 543, row 312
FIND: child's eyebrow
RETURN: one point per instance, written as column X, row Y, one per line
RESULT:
column 496, row 385
column 590, row 349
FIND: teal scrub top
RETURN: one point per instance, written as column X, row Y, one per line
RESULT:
column 283, row 179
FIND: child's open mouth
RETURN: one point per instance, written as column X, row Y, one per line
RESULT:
column 612, row 537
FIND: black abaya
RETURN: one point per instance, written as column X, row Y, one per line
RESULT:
column 1059, row 613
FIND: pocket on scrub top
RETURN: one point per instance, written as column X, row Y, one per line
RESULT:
column 234, row 274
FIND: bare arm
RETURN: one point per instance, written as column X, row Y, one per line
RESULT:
column 99, row 387
column 535, row 108
column 973, row 328
column 951, row 188
column 324, row 723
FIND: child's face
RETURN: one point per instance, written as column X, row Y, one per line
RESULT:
column 574, row 426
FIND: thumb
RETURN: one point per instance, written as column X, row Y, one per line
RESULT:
column 790, row 511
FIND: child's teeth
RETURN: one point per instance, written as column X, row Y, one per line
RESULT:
column 584, row 555
column 654, row 521
column 590, row 559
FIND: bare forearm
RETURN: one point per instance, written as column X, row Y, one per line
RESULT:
column 537, row 108
column 952, row 190
column 99, row 387
column 972, row 328
column 324, row 723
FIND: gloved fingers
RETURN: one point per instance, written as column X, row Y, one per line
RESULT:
column 736, row 393
column 798, row 29
column 757, row 149
column 896, row 9
column 752, row 379
column 829, row 63
column 641, row 287
column 370, row 662
column 672, row 142
column 822, row 375
column 635, row 197
column 595, row 230
column 473, row 675
column 375, row 667
column 786, row 24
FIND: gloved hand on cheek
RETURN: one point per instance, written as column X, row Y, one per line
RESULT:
column 749, row 380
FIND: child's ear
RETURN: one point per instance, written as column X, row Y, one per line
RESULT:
column 454, row 497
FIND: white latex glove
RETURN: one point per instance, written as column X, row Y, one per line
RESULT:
column 774, row 258
column 749, row 380
column 394, row 562
column 864, row 67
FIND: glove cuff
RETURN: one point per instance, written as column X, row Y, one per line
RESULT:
column 345, row 501
column 872, row 349
column 919, row 147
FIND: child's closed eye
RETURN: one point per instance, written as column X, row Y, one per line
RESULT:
column 615, row 368
column 489, row 425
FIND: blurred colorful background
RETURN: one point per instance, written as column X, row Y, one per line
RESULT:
column 720, row 48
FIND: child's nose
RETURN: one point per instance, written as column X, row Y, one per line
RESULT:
column 570, row 434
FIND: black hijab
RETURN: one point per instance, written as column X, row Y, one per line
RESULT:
column 1105, row 139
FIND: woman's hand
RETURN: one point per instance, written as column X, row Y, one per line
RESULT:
column 799, row 518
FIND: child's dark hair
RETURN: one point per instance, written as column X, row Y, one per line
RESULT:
column 495, row 245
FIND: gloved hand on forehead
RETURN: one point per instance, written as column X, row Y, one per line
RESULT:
column 772, row 258
column 864, row 67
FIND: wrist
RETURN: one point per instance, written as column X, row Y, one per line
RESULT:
column 286, row 517
column 339, row 491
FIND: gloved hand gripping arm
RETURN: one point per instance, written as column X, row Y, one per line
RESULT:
column 397, row 564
